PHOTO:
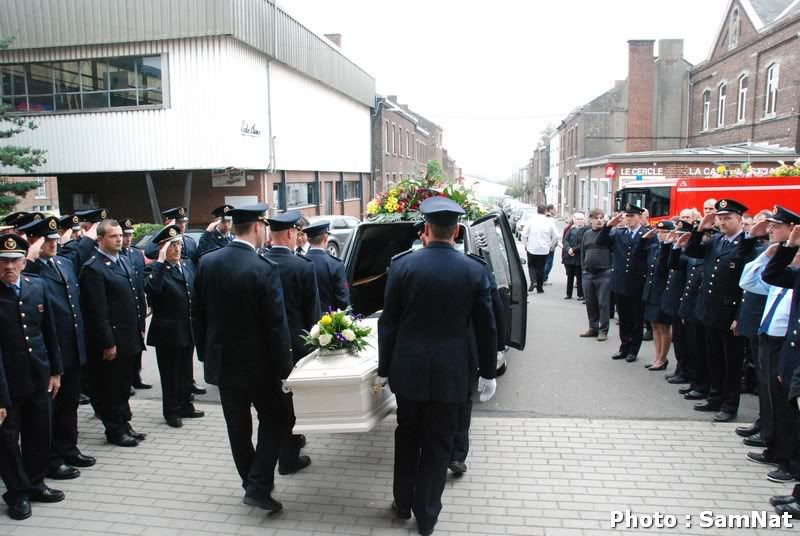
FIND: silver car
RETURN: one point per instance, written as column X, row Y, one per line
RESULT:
column 341, row 227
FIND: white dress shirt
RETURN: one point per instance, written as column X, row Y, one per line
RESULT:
column 751, row 282
column 540, row 235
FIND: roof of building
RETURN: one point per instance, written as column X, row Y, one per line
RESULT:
column 261, row 24
column 735, row 152
column 768, row 11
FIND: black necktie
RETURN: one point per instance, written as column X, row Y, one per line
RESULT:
column 53, row 266
column 299, row 251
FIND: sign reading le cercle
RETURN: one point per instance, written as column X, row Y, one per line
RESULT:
column 645, row 171
column 249, row 129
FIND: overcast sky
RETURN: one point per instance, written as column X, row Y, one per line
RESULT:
column 494, row 74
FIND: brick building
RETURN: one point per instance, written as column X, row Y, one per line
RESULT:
column 748, row 89
column 43, row 198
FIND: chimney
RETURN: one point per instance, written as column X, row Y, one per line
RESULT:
column 641, row 76
column 336, row 39
column 670, row 50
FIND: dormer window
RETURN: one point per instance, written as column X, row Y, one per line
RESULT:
column 733, row 29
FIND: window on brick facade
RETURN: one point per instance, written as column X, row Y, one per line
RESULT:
column 741, row 104
column 41, row 188
column 706, row 109
column 408, row 144
column 386, row 137
column 771, row 96
column 393, row 137
column 733, row 29
column 721, row 99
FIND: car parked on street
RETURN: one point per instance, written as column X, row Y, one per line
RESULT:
column 341, row 227
column 524, row 218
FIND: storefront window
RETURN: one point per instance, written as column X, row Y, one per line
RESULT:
column 352, row 190
column 299, row 194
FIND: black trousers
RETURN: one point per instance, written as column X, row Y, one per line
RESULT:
column 787, row 432
column 65, row 418
column 725, row 355
column 290, row 449
column 136, row 369
column 536, row 270
column 461, row 438
column 25, row 445
column 679, row 346
column 574, row 275
column 255, row 465
column 630, row 323
column 423, row 444
column 696, row 364
column 771, row 397
column 175, row 370
column 110, row 386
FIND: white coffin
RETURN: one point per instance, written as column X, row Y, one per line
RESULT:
column 334, row 393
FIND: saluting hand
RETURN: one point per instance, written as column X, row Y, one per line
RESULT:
column 54, row 385
column 672, row 236
column 92, row 232
column 707, row 222
column 771, row 250
column 683, row 240
column 649, row 234
column 66, row 237
column 794, row 237
column 613, row 222
column 759, row 230
column 34, row 248
column 212, row 225
column 162, row 253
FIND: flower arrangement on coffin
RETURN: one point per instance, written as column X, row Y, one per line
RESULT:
column 787, row 170
column 338, row 331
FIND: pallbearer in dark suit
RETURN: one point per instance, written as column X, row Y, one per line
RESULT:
column 627, row 277
column 423, row 348
column 725, row 255
column 136, row 259
column 299, row 282
column 169, row 286
column 334, row 291
column 61, row 284
column 114, row 310
column 242, row 338
column 218, row 233
column 30, row 374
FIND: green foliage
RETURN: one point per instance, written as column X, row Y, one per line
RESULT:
column 434, row 171
column 142, row 229
column 338, row 330
column 10, row 192
column 514, row 192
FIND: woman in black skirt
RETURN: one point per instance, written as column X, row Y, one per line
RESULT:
column 657, row 272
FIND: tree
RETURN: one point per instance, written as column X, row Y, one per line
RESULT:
column 24, row 158
column 514, row 192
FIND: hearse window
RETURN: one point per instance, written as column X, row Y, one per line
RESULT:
column 655, row 199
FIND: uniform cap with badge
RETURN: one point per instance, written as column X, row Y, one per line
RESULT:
column 729, row 206
column 318, row 228
column 12, row 220
column 170, row 233
column 223, row 212
column 665, row 225
column 684, row 226
column 441, row 211
column 177, row 214
column 92, row 215
column 69, row 221
column 284, row 221
column 249, row 213
column 784, row 215
column 12, row 246
column 632, row 210
column 47, row 228
column 127, row 225
column 25, row 218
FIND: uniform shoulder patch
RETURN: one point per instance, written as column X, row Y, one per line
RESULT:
column 403, row 254
column 90, row 260
column 476, row 257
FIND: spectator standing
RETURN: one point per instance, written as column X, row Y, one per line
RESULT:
column 571, row 254
column 540, row 237
column 596, row 266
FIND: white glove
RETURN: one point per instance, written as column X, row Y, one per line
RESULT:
column 285, row 387
column 380, row 383
column 486, row 388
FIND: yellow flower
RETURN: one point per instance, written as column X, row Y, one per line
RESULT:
column 393, row 192
column 721, row 169
column 391, row 204
column 373, row 207
column 325, row 320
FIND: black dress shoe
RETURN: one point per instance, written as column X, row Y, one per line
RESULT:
column 706, row 406
column 63, row 472
column 141, row 385
column 399, row 512
column 265, row 503
column 684, row 390
column 123, row 440
column 678, row 380
column 138, row 436
column 426, row 531
column 80, row 460
column 530, row 288
column 20, row 509
column 781, row 476
column 132, row 391
column 630, row 358
column 197, row 390
column 47, row 495
column 723, row 416
column 662, row 366
column 746, row 431
column 775, row 500
column 793, row 509
column 174, row 421
column 695, row 395
column 755, row 440
column 301, row 440
column 619, row 355
column 83, row 399
column 301, row 463
column 762, row 457
column 458, row 468
column 193, row 414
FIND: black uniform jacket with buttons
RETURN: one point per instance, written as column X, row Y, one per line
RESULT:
column 239, row 318
column 212, row 240
column 136, row 259
column 300, row 296
column 29, row 352
column 628, row 259
column 169, row 293
column 751, row 310
column 778, row 273
column 721, row 294
column 79, row 250
column 113, row 306
column 657, row 272
column 424, row 330
column 676, row 282
column 334, row 292
column 64, row 296
column 687, row 309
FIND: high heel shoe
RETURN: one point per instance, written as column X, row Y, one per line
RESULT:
column 649, row 365
column 662, row 367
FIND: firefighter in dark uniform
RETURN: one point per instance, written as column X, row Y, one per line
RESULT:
column 180, row 217
column 136, row 259
column 725, row 255
column 218, row 234
column 67, row 226
column 61, row 284
column 114, row 307
column 334, row 291
column 80, row 249
column 19, row 219
column 299, row 282
column 430, row 374
column 627, row 277
column 242, row 338
column 657, row 272
column 169, row 286
column 30, row 374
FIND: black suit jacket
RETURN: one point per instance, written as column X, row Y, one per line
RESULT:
column 79, row 250
column 428, row 316
column 676, row 282
column 628, row 260
column 169, row 292
column 212, row 240
column 114, row 306
column 64, row 295
column 29, row 352
column 239, row 319
column 334, row 292
column 300, row 296
column 778, row 273
column 657, row 272
column 136, row 259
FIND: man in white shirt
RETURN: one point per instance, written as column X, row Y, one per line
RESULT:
column 539, row 238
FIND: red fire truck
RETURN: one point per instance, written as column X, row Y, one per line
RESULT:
column 666, row 198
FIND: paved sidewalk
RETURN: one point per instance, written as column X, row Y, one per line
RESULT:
column 526, row 476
